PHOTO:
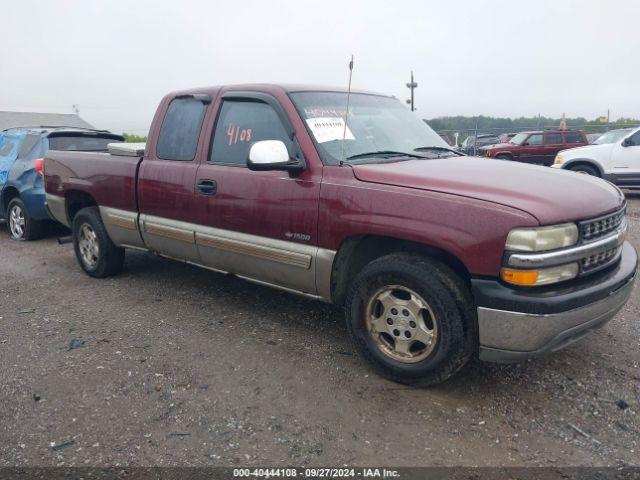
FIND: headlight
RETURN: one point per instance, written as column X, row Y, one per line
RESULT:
column 559, row 160
column 542, row 238
column 542, row 276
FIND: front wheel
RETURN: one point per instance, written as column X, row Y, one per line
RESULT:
column 585, row 169
column 96, row 253
column 21, row 226
column 412, row 319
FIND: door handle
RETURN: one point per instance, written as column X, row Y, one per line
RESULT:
column 207, row 187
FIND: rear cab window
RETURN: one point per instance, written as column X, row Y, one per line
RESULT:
column 82, row 142
column 180, row 131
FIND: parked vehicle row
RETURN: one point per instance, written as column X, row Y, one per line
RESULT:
column 612, row 155
column 471, row 144
column 615, row 156
column 536, row 147
column 22, row 197
column 435, row 256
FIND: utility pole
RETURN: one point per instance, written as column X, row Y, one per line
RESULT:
column 411, row 86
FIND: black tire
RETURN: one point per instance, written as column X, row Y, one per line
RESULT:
column 108, row 259
column 30, row 230
column 586, row 169
column 449, row 300
column 504, row 156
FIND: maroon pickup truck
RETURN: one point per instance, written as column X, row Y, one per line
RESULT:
column 436, row 256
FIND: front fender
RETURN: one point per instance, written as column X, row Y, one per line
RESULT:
column 505, row 152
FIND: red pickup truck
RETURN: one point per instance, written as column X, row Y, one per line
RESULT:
column 436, row 256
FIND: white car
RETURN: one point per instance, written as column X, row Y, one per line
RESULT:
column 615, row 156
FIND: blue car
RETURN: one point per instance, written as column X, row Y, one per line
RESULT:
column 22, row 197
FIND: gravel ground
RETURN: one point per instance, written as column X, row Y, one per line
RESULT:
column 174, row 365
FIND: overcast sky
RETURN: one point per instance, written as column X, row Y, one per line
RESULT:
column 116, row 59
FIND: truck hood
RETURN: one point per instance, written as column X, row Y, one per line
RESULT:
column 550, row 195
column 596, row 152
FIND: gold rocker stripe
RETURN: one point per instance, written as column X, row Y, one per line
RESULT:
column 128, row 223
column 169, row 232
column 287, row 257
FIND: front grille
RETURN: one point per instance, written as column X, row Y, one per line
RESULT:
column 591, row 230
column 598, row 260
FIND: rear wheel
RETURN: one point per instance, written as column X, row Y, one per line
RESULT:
column 586, row 169
column 412, row 319
column 97, row 254
column 21, row 225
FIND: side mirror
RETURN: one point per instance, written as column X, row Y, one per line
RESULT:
column 524, row 144
column 627, row 142
column 272, row 155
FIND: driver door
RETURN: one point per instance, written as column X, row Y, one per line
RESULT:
column 532, row 149
column 257, row 224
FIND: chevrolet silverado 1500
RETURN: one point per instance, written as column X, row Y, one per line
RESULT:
column 435, row 256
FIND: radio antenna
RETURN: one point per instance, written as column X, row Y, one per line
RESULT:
column 346, row 113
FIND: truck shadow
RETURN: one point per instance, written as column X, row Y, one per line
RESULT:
column 321, row 326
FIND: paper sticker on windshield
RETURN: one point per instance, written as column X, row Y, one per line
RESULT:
column 326, row 129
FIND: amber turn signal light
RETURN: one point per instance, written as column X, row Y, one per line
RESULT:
column 520, row 277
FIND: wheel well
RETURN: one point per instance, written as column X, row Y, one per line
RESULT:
column 356, row 252
column 76, row 200
column 8, row 194
column 586, row 163
column 504, row 155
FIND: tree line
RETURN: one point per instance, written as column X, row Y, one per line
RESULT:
column 499, row 125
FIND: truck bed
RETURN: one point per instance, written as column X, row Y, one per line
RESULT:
column 109, row 179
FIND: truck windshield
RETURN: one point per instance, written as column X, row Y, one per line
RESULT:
column 612, row 136
column 375, row 124
column 519, row 138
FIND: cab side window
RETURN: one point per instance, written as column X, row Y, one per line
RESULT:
column 553, row 139
column 180, row 131
column 241, row 123
column 635, row 139
column 535, row 139
column 573, row 137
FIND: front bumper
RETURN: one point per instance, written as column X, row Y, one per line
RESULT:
column 516, row 324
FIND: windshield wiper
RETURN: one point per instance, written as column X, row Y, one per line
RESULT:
column 435, row 148
column 384, row 154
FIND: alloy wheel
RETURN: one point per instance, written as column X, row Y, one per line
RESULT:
column 402, row 324
column 88, row 245
column 17, row 222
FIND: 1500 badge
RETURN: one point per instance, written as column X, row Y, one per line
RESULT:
column 298, row 236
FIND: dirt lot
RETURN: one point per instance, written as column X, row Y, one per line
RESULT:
column 175, row 365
